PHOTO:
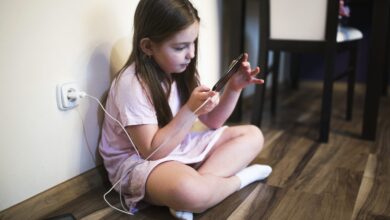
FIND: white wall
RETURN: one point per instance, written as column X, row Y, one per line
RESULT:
column 44, row 43
column 209, row 40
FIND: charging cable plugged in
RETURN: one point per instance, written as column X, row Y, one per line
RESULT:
column 68, row 96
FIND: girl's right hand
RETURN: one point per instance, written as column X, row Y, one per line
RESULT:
column 198, row 97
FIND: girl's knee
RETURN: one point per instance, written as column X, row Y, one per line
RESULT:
column 257, row 134
column 254, row 134
column 251, row 134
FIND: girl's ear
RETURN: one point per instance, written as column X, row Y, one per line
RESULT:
column 146, row 46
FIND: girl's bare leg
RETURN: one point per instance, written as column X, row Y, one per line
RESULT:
column 181, row 187
column 235, row 149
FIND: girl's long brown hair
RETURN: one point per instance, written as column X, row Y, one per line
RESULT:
column 159, row 20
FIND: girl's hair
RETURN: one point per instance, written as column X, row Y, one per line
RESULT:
column 159, row 20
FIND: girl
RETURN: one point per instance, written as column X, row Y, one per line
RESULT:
column 157, row 97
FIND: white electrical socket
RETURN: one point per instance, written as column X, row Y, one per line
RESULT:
column 63, row 101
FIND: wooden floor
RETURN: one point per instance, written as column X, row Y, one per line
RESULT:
column 347, row 178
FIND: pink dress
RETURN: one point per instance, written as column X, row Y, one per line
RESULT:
column 128, row 103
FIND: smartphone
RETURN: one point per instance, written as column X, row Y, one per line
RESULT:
column 229, row 73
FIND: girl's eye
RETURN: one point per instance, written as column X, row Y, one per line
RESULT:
column 179, row 48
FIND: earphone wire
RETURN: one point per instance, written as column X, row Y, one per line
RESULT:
column 123, row 210
column 114, row 119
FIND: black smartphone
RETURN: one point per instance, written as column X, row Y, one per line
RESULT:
column 229, row 73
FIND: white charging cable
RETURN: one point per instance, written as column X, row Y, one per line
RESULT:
column 73, row 95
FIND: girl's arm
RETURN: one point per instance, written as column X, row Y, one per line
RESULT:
column 228, row 100
column 148, row 138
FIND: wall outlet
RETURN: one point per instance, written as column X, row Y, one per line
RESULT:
column 66, row 98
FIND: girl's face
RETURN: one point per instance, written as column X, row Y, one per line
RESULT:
column 174, row 54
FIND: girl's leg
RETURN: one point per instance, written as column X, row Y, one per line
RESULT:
column 235, row 149
column 181, row 187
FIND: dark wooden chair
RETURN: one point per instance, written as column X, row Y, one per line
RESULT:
column 305, row 26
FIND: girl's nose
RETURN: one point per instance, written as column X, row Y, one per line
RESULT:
column 191, row 52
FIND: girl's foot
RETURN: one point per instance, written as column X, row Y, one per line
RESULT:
column 253, row 173
column 182, row 215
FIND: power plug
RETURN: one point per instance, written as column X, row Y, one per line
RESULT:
column 68, row 96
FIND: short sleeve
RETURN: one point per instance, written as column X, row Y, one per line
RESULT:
column 134, row 106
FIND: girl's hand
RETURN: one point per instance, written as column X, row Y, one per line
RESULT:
column 244, row 76
column 199, row 96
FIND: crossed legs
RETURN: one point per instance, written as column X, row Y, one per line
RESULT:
column 181, row 187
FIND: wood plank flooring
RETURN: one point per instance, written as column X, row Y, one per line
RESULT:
column 347, row 178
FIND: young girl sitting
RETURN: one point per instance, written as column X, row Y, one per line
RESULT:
column 157, row 97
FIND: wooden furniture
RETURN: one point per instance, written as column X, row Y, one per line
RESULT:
column 304, row 26
column 376, row 66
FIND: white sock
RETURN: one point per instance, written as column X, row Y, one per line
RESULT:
column 182, row 215
column 253, row 173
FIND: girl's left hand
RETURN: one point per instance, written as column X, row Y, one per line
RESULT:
column 244, row 76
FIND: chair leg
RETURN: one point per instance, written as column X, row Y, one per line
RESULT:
column 258, row 104
column 327, row 94
column 295, row 70
column 385, row 82
column 259, row 96
column 275, row 82
column 351, row 80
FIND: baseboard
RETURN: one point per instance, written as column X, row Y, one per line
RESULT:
column 46, row 202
